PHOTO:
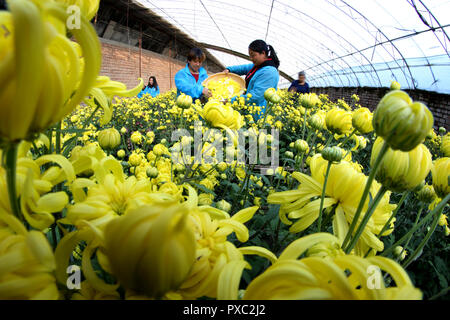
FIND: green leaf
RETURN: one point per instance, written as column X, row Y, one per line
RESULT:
column 202, row 188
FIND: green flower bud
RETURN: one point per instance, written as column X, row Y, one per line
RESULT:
column 301, row 146
column 400, row 253
column 442, row 130
column 289, row 155
column 152, row 172
column 223, row 205
column 109, row 138
column 271, row 95
column 426, row 194
column 404, row 124
column 333, row 154
column 316, row 122
column 309, row 100
column 395, row 85
column 184, row 101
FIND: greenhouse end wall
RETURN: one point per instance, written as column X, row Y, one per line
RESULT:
column 121, row 63
column 438, row 103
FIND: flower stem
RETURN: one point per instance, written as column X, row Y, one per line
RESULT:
column 424, row 241
column 304, row 125
column 383, row 151
column 347, row 138
column 366, row 218
column 415, row 223
column 328, row 141
column 10, row 165
column 58, row 138
column 439, row 208
column 319, row 225
column 182, row 119
column 386, row 225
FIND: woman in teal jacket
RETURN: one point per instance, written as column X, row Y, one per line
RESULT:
column 260, row 75
column 152, row 88
column 189, row 80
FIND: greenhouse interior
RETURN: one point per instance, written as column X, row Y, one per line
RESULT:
column 224, row 150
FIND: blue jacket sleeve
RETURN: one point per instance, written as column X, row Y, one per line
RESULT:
column 264, row 79
column 157, row 91
column 241, row 69
column 143, row 91
column 185, row 85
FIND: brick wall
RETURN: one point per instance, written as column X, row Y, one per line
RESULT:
column 121, row 63
column 438, row 103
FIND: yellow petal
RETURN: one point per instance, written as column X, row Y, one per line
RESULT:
column 245, row 215
column 298, row 247
column 229, row 279
column 259, row 251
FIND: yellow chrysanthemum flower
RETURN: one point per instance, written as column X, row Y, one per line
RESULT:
column 330, row 276
column 344, row 190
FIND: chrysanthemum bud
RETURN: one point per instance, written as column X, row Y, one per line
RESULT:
column 109, row 138
column 289, row 155
column 333, row 154
column 440, row 172
column 395, row 85
column 136, row 137
column 121, row 153
column 184, row 101
column 426, row 194
column 400, row 171
column 404, row 124
column 316, row 122
column 152, row 172
column 151, row 249
column 309, row 100
column 159, row 150
column 134, row 159
column 362, row 120
column 223, row 205
column 339, row 121
column 399, row 253
column 301, row 146
column 442, row 130
column 445, row 145
column 271, row 95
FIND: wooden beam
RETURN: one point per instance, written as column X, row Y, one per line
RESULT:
column 240, row 55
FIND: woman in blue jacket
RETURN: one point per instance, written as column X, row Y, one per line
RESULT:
column 152, row 88
column 260, row 75
column 189, row 80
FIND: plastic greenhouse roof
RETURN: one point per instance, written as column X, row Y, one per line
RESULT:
column 336, row 42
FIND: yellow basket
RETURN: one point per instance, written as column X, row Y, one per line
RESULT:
column 221, row 75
